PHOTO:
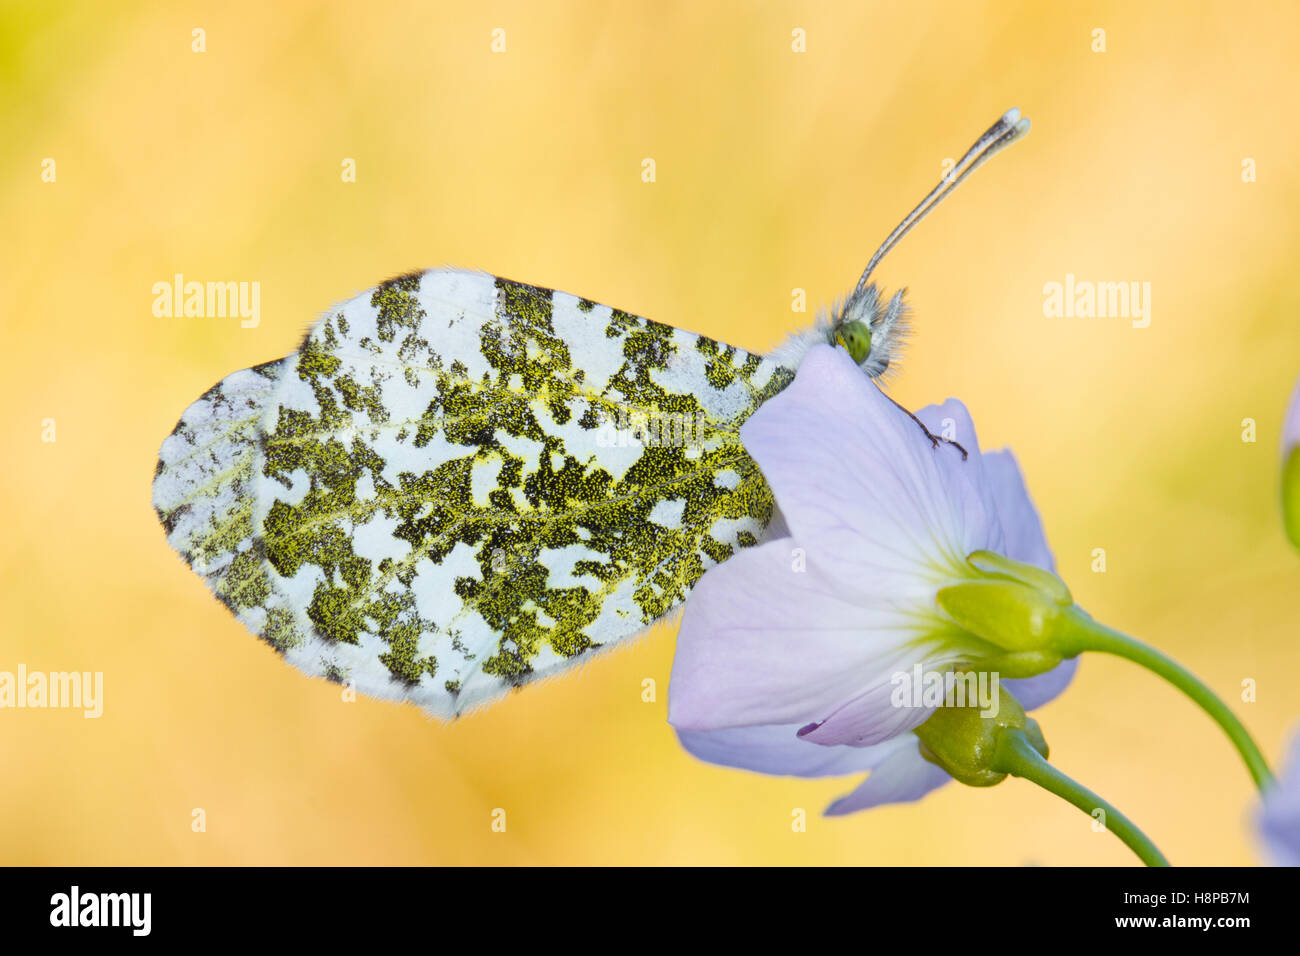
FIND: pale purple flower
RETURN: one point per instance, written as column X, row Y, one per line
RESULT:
column 787, row 650
column 1279, row 817
column 1291, row 424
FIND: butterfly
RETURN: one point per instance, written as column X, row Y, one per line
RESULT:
column 459, row 483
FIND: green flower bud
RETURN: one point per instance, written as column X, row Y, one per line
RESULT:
column 964, row 743
column 1291, row 495
column 1018, row 613
column 994, row 564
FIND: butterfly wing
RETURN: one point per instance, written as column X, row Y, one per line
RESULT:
column 459, row 484
column 204, row 494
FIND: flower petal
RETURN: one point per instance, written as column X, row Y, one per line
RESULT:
column 871, row 717
column 1022, row 528
column 775, row 749
column 901, row 777
column 762, row 642
column 952, row 421
column 1291, row 424
column 1279, row 817
column 860, row 485
column 1034, row 692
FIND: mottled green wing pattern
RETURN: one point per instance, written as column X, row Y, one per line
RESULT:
column 204, row 493
column 459, row 484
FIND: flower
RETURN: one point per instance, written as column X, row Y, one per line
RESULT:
column 1279, row 815
column 788, row 654
column 1291, row 469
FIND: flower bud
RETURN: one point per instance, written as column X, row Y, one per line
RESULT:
column 1015, row 608
column 964, row 743
column 999, row 565
column 1291, row 495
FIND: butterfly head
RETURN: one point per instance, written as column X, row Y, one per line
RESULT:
column 866, row 326
column 870, row 329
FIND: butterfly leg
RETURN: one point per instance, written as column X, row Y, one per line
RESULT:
column 934, row 439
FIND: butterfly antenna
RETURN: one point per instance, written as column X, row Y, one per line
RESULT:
column 1009, row 128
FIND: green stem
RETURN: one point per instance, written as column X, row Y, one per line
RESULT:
column 1084, row 634
column 1016, row 755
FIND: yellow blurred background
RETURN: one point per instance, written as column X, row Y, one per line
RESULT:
column 775, row 170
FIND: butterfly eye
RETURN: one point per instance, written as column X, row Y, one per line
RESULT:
column 856, row 339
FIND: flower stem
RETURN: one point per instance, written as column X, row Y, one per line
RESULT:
column 1085, row 634
column 1016, row 755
